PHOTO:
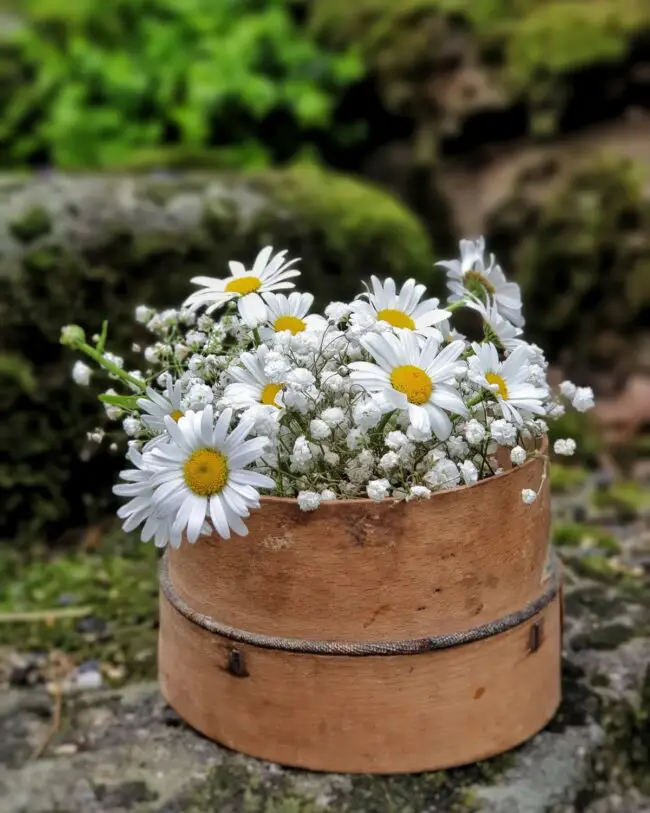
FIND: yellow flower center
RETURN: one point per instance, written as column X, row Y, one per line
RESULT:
column 290, row 323
column 176, row 415
column 396, row 318
column 493, row 378
column 478, row 285
column 269, row 394
column 413, row 382
column 243, row 285
column 206, row 472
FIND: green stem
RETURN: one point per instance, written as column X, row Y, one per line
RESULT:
column 455, row 306
column 110, row 366
column 475, row 400
column 382, row 423
column 256, row 337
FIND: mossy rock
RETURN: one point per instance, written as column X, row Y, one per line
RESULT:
column 567, row 478
column 79, row 249
column 530, row 51
column 626, row 497
column 582, row 254
column 578, row 535
column 110, row 591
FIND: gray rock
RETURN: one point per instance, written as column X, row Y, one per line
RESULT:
column 548, row 771
column 125, row 751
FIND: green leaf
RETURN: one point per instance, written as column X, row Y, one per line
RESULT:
column 129, row 402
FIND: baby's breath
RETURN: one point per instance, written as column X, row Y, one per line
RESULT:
column 378, row 398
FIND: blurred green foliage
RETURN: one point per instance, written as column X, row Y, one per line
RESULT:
column 535, row 35
column 87, row 84
column 116, row 581
column 528, row 49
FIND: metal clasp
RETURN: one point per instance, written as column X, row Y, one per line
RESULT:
column 236, row 665
column 536, row 636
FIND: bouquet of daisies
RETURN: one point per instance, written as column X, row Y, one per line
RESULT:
column 243, row 389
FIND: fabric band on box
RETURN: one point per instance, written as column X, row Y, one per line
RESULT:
column 361, row 648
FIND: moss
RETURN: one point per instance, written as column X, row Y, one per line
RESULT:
column 340, row 206
column 531, row 50
column 567, row 478
column 544, row 39
column 628, row 498
column 625, row 753
column 32, row 224
column 117, row 581
column 235, row 787
column 178, row 157
column 580, row 703
column 577, row 535
column 118, row 242
column 583, row 269
column 599, row 602
column 610, row 636
column 586, row 433
column 596, row 566
column 442, row 790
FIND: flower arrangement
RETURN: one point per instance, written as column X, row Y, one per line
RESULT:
column 244, row 389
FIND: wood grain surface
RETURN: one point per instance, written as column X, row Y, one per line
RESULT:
column 377, row 714
column 361, row 571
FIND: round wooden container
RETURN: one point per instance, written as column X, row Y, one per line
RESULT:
column 371, row 638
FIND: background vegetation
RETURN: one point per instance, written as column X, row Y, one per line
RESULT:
column 91, row 84
column 365, row 136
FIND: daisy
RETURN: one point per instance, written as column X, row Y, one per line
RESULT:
column 414, row 378
column 202, row 476
column 157, row 405
column 406, row 310
column 141, row 508
column 508, row 381
column 269, row 273
column 252, row 385
column 498, row 330
column 469, row 275
column 289, row 313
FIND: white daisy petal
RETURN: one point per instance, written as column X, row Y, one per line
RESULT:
column 269, row 273
column 218, row 517
column 403, row 311
column 194, row 478
column 411, row 376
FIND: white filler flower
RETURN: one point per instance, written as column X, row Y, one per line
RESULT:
column 507, row 380
column 202, row 474
column 470, row 275
column 405, row 310
column 252, row 384
column 411, row 377
column 269, row 273
column 565, row 446
column 81, row 373
column 518, row 456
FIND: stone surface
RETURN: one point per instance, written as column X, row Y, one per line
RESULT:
column 122, row 749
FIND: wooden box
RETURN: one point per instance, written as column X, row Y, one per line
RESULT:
column 370, row 638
